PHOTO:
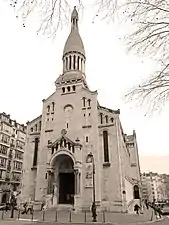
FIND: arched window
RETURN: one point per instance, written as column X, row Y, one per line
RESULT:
column 40, row 124
column 84, row 102
column 36, row 127
column 53, row 106
column 136, row 192
column 78, row 62
column 68, row 88
column 63, row 89
column 70, row 62
column 74, row 62
column 81, row 64
column 106, row 146
column 48, row 108
column 66, row 63
column 89, row 101
column 106, row 117
column 74, row 87
column 35, row 157
column 101, row 118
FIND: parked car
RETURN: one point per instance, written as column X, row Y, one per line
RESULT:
column 165, row 209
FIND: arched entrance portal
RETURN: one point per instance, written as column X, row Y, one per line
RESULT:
column 65, row 179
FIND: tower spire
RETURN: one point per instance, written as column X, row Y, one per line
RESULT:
column 74, row 19
column 74, row 52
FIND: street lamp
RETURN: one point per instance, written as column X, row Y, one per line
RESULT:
column 94, row 215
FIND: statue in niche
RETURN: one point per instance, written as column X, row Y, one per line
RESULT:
column 89, row 176
column 55, row 188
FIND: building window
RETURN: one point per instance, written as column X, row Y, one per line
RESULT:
column 84, row 115
column 84, row 102
column 106, row 117
column 105, row 146
column 48, row 108
column 68, row 88
column 101, row 118
column 35, row 152
column 66, row 63
column 40, row 125
column 31, row 129
column 53, row 106
column 46, row 176
column 87, row 139
column 74, row 87
column 74, row 62
column 63, row 90
column 136, row 192
column 89, row 114
column 67, row 125
column 70, row 62
column 89, row 101
column 36, row 127
column 78, row 62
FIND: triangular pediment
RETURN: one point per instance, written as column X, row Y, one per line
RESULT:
column 63, row 141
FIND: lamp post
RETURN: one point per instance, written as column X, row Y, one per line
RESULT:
column 94, row 215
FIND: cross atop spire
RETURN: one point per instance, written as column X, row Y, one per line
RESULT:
column 74, row 18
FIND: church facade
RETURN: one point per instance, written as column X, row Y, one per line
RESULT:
column 76, row 136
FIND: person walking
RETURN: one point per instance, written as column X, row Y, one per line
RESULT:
column 30, row 207
column 25, row 205
column 136, row 209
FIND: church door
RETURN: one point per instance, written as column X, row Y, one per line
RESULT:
column 66, row 188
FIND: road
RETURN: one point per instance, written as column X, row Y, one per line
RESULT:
column 165, row 221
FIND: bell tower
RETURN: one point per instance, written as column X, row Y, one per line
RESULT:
column 74, row 52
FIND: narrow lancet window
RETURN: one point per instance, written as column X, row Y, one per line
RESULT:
column 106, row 146
column 66, row 63
column 53, row 106
column 101, row 118
column 84, row 102
column 78, row 62
column 74, row 62
column 70, row 62
column 106, row 117
column 35, row 152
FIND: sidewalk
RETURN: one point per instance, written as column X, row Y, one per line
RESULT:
column 67, row 217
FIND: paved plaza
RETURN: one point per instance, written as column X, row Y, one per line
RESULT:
column 78, row 218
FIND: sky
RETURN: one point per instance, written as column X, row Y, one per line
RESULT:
column 30, row 64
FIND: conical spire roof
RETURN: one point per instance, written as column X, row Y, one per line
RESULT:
column 74, row 41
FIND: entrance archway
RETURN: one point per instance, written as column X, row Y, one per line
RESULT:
column 65, row 179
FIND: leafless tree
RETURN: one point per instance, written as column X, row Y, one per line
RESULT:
column 51, row 14
column 149, row 37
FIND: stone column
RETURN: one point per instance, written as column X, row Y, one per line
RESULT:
column 49, row 182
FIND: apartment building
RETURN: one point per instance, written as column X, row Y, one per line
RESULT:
column 12, row 143
column 154, row 186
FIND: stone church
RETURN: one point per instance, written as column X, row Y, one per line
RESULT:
column 76, row 136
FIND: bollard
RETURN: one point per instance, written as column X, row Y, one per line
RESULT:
column 151, row 216
column 70, row 216
column 32, row 212
column 56, row 216
column 43, row 215
column 85, row 217
column 19, row 211
column 104, row 218
column 2, row 214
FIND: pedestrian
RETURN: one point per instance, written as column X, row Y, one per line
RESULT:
column 30, row 207
column 136, row 209
column 25, row 205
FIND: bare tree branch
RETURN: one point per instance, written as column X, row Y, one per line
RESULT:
column 52, row 14
column 150, row 37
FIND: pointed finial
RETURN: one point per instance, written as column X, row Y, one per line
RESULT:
column 74, row 18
